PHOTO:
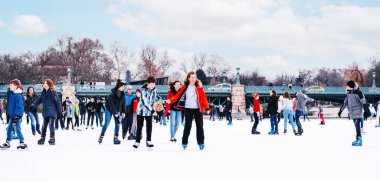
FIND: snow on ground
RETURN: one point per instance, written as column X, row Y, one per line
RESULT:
column 231, row 154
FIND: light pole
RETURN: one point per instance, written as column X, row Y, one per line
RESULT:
column 373, row 79
column 68, row 74
column 224, row 76
column 237, row 76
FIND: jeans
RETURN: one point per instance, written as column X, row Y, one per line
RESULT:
column 251, row 115
column 99, row 116
column 298, row 115
column 229, row 117
column 91, row 116
column 288, row 114
column 175, row 119
column 357, row 127
column 107, row 122
column 50, row 122
column 162, row 120
column 83, row 119
column 35, row 122
column 17, row 127
column 273, row 123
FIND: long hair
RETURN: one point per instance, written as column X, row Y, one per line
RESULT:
column 27, row 91
column 186, row 81
column 287, row 96
column 171, row 85
column 50, row 83
column 274, row 93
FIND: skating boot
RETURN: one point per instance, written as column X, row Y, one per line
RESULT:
column 52, row 141
column 5, row 146
column 22, row 146
column 41, row 141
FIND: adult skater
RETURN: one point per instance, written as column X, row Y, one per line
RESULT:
column 100, row 108
column 115, row 107
column 82, row 109
column 229, row 111
column 175, row 112
column 15, row 113
column 287, row 110
column 302, row 99
column 272, row 110
column 31, row 96
column 51, row 110
column 355, row 102
column 149, row 97
column 91, row 110
column 192, row 97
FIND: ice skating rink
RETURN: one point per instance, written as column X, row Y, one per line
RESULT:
column 323, row 153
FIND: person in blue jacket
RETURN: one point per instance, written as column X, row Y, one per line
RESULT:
column 51, row 110
column 15, row 113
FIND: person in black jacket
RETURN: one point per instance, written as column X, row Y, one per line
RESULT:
column 272, row 111
column 229, row 111
column 51, row 110
column 91, row 110
column 82, row 111
column 100, row 108
column 31, row 96
column 115, row 106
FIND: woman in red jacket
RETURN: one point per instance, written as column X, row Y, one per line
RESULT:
column 256, row 109
column 192, row 98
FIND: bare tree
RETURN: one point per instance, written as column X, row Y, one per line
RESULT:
column 152, row 63
column 121, row 58
column 217, row 66
column 199, row 61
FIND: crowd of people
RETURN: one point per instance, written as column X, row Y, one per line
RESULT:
column 186, row 101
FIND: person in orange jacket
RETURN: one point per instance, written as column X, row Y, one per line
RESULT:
column 192, row 98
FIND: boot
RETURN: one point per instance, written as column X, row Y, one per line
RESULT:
column 22, row 146
column 52, row 141
column 100, row 140
column 41, row 141
column 6, row 145
column 116, row 141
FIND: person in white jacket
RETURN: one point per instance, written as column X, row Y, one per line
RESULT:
column 378, row 115
column 287, row 107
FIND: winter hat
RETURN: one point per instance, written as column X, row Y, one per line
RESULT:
column 119, row 84
column 303, row 91
column 129, row 87
column 351, row 84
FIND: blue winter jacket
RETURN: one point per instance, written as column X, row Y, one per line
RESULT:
column 51, row 104
column 16, row 104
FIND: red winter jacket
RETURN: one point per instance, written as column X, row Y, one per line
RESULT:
column 256, row 103
column 168, row 106
column 202, row 98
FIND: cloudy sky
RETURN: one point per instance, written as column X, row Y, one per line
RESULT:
column 273, row 36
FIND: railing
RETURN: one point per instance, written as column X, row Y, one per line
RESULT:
column 37, row 88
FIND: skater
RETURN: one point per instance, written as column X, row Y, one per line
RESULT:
column 134, row 104
column 51, row 110
column 82, row 109
column 378, row 115
column 145, row 109
column 272, row 110
column 1, row 110
column 128, row 120
column 229, row 111
column 250, row 110
column 115, row 107
column 220, row 112
column 31, row 96
column 256, row 112
column 64, row 108
column 15, row 112
column 175, row 112
column 193, row 99
column 302, row 99
column 321, row 114
column 355, row 102
column 99, row 108
column 287, row 110
column 91, row 110
column 238, row 114
column 213, row 112
column 76, row 113
column 69, row 112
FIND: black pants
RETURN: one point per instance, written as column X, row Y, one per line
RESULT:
column 59, row 121
column 91, row 116
column 254, row 127
column 50, row 122
column 229, row 116
column 83, row 119
column 357, row 128
column 76, row 121
column 191, row 114
column 212, row 115
column 140, row 124
column 126, row 124
column 69, row 120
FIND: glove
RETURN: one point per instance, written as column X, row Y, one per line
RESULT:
column 339, row 114
column 290, row 86
column 15, row 119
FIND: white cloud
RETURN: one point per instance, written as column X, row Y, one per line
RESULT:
column 2, row 24
column 333, row 33
column 269, row 66
column 29, row 25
